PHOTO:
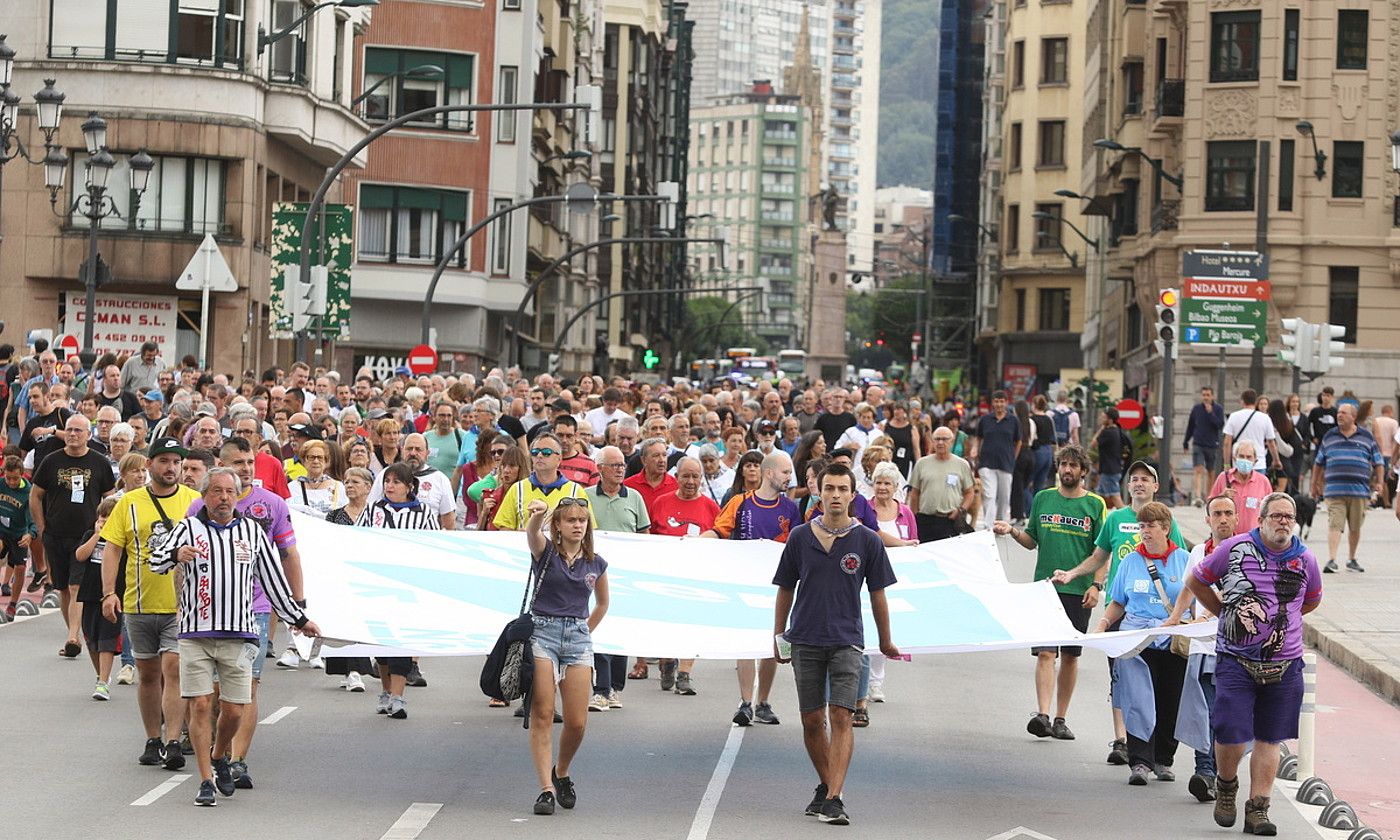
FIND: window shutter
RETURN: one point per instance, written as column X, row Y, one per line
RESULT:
column 459, row 71
column 381, row 62
column 376, row 197
column 454, row 206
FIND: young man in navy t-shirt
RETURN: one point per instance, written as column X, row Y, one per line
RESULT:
column 832, row 556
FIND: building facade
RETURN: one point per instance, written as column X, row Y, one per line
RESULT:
column 233, row 128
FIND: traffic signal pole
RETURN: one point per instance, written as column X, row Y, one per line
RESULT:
column 1165, row 487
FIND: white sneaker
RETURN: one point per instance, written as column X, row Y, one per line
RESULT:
column 290, row 659
column 126, row 675
column 877, row 692
column 599, row 703
column 317, row 663
column 353, row 682
column 614, row 699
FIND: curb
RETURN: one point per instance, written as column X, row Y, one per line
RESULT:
column 1353, row 656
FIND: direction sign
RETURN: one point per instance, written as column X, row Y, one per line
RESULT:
column 1225, row 298
column 1231, row 265
column 1130, row 413
column 1201, row 287
column 422, row 359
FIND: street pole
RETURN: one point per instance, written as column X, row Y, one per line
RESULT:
column 1220, row 377
column 90, row 282
column 1166, row 488
column 1261, row 244
column 204, row 310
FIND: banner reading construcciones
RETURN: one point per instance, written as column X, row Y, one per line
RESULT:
column 449, row 593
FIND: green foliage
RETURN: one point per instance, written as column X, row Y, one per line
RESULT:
column 703, row 330
column 907, row 74
column 889, row 313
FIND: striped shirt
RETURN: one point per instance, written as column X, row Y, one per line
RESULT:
column 406, row 516
column 1348, row 462
column 216, row 599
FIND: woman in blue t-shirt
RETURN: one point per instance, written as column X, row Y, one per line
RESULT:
column 1148, row 685
column 568, row 572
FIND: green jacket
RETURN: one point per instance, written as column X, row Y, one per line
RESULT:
column 15, row 520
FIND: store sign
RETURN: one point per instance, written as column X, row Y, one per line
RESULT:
column 380, row 367
column 1019, row 379
column 122, row 323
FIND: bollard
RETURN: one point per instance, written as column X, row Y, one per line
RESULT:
column 26, row 608
column 1288, row 768
column 1364, row 833
column 50, row 601
column 1307, row 718
column 1339, row 815
column 1314, row 791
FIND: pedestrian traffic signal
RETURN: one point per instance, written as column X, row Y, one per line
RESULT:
column 1299, row 343
column 1326, row 349
column 650, row 360
column 1168, row 322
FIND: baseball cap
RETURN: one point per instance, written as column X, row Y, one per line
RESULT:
column 305, row 430
column 402, row 370
column 167, row 446
column 1151, row 470
column 374, row 414
column 154, row 395
column 767, row 427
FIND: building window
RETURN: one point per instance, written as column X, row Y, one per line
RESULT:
column 1014, row 160
column 1054, row 310
column 1052, row 143
column 287, row 57
column 1020, row 310
column 401, row 92
column 185, row 195
column 1132, row 88
column 204, row 32
column 1230, row 175
column 1018, row 64
column 1290, row 45
column 1285, row 175
column 1125, row 210
column 1234, row 46
column 409, row 224
column 1347, row 160
column 1343, row 290
column 505, row 95
column 1352, row 26
column 510, row 5
column 1011, row 228
column 500, row 247
column 1054, row 61
column 1047, row 231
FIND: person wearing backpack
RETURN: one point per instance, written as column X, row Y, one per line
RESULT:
column 1065, row 420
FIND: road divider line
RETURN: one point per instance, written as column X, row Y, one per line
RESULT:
column 705, row 814
column 277, row 715
column 411, row 823
column 162, row 789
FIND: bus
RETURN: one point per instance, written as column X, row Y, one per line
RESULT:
column 703, row 370
column 793, row 364
column 740, row 352
column 755, row 368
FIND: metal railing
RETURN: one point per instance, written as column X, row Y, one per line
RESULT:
column 1171, row 98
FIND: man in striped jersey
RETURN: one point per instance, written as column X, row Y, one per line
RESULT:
column 222, row 552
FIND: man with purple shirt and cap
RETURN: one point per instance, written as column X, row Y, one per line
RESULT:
column 1261, row 584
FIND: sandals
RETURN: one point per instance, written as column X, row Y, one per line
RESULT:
column 71, row 650
column 639, row 672
column 861, row 718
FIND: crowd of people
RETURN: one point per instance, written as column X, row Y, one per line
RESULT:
column 156, row 501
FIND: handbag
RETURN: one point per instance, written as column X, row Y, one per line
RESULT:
column 508, row 671
column 1180, row 645
column 1265, row 673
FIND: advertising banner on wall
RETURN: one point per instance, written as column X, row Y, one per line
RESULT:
column 121, row 323
column 287, row 221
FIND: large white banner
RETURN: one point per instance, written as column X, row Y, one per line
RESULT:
column 121, row 323
column 449, row 593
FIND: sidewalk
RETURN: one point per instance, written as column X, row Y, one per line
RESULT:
column 1358, row 625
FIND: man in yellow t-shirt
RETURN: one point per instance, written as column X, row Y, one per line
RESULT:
column 142, row 520
column 544, row 482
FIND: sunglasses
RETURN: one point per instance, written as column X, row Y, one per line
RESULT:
column 496, row 453
column 544, row 452
column 573, row 500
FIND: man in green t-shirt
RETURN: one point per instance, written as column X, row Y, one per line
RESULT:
column 1064, row 522
column 1117, row 539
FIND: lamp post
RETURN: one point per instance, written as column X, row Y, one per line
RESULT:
column 1115, row 146
column 1055, row 217
column 265, row 40
column 96, row 204
column 1305, row 128
column 48, row 107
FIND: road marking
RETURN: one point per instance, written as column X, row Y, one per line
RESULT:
column 277, row 715
column 162, row 789
column 705, row 814
column 412, row 822
column 1020, row 832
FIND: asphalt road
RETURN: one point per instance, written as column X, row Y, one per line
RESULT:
column 946, row 757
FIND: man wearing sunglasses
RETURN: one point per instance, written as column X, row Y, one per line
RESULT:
column 545, row 483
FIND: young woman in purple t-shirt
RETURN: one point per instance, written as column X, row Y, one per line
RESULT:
column 568, row 572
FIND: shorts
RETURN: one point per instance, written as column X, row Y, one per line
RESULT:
column 1346, row 511
column 234, row 660
column 563, row 641
column 398, row 666
column 1073, row 605
column 15, row 554
column 1246, row 711
column 58, row 551
column 1206, row 456
column 102, row 636
column 153, row 634
column 264, row 621
column 815, row 667
column 1110, row 485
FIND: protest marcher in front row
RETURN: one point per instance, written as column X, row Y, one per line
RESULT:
column 567, row 572
column 620, row 509
column 1268, row 580
column 682, row 513
column 102, row 636
column 827, row 633
column 221, row 553
column 355, row 511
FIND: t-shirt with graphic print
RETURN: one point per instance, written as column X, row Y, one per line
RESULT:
column 564, row 589
column 1262, row 596
column 1064, row 529
column 826, row 610
column 747, row 517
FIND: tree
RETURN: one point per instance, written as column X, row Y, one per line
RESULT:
column 704, row 329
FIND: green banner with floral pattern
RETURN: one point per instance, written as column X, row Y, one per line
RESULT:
column 337, row 222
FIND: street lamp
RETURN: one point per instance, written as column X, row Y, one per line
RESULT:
column 1395, row 150
column 1073, row 258
column 576, row 154
column 422, row 71
column 265, row 40
column 1056, row 217
column 957, row 218
column 1115, row 146
column 1305, row 128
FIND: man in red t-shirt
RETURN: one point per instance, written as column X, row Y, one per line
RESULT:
column 266, row 468
column 578, row 466
column 653, row 481
column 682, row 513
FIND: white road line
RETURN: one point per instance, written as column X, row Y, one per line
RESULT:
column 277, row 715
column 412, row 822
column 162, row 789
column 705, row 814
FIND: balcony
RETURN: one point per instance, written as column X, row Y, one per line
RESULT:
column 843, row 81
column 780, row 136
column 780, row 163
column 775, row 244
column 778, row 189
column 1164, row 215
column 1171, row 98
column 777, row 215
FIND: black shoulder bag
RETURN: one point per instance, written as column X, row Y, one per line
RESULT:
column 508, row 670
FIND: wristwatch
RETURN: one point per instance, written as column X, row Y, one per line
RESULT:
column 1097, row 585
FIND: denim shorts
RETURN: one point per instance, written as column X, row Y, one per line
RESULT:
column 1246, row 711
column 563, row 641
column 1110, row 485
column 826, row 676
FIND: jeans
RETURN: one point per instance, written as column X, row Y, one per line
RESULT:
column 1040, row 475
column 609, row 673
column 863, row 686
column 128, row 658
column 996, row 495
column 1205, row 760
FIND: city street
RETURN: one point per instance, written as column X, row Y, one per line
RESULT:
column 946, row 756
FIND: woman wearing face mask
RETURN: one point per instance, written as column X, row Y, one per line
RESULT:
column 1246, row 485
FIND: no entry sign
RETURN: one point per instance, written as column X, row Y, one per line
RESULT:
column 422, row 359
column 1129, row 413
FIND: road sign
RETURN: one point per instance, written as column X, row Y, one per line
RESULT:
column 1130, row 413
column 1231, row 265
column 422, row 359
column 1225, row 298
column 207, row 269
column 68, row 344
column 1200, row 287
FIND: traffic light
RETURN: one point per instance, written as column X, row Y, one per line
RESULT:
column 650, row 360
column 294, row 297
column 1168, row 322
column 1326, row 347
column 553, row 362
column 1299, row 342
